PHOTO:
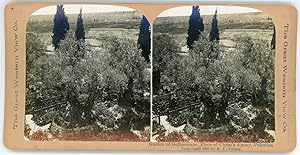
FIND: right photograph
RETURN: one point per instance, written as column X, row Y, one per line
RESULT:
column 213, row 75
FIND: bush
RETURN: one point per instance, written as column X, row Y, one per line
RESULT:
column 234, row 87
column 74, row 79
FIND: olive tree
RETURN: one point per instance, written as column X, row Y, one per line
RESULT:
column 77, row 80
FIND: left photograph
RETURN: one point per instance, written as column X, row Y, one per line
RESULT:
column 87, row 74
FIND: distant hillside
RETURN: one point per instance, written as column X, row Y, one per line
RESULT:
column 131, row 20
column 126, row 19
column 179, row 24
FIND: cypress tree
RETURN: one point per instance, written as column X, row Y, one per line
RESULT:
column 144, row 39
column 196, row 26
column 214, row 32
column 80, row 34
column 273, row 41
column 61, row 26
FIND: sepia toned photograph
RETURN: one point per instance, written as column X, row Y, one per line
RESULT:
column 87, row 74
column 213, row 75
column 179, row 77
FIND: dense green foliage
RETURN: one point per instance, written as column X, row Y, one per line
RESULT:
column 78, row 86
column 34, row 51
column 86, row 81
column 164, row 55
column 222, row 82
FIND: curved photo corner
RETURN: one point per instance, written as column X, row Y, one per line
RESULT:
column 213, row 75
column 87, row 74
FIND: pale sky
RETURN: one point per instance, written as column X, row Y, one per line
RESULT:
column 206, row 10
column 74, row 9
column 178, row 11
